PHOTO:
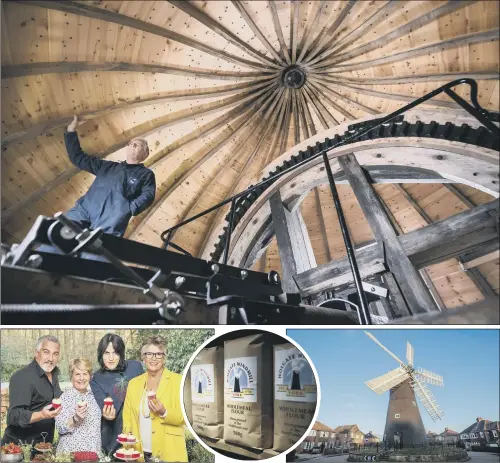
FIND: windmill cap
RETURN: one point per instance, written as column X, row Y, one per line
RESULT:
column 479, row 419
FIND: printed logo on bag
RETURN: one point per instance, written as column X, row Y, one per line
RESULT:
column 241, row 378
column 132, row 181
column 293, row 377
column 202, row 383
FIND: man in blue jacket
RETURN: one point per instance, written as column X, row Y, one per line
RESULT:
column 120, row 189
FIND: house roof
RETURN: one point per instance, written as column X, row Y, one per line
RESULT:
column 370, row 435
column 318, row 426
column 448, row 432
column 347, row 428
column 481, row 425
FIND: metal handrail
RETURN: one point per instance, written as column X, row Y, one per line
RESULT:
column 482, row 115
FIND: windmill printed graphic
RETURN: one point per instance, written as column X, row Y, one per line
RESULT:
column 294, row 374
column 404, row 426
column 237, row 374
column 200, row 387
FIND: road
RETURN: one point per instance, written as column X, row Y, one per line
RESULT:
column 475, row 457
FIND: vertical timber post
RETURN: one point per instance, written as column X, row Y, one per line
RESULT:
column 408, row 278
column 363, row 312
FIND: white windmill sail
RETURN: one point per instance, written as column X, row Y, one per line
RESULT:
column 430, row 377
column 374, row 339
column 409, row 353
column 388, row 381
column 427, row 399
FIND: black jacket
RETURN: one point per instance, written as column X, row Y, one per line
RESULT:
column 119, row 191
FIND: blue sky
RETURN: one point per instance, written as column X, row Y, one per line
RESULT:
column 468, row 360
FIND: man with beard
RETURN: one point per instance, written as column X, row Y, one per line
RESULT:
column 31, row 390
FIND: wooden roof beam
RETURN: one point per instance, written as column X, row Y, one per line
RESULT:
column 35, row 69
column 319, row 85
column 278, row 30
column 294, row 29
column 90, row 11
column 446, row 76
column 307, row 37
column 218, row 28
column 403, row 30
column 327, row 35
column 176, row 95
column 461, row 40
column 395, row 96
column 231, row 191
column 258, row 33
column 374, row 20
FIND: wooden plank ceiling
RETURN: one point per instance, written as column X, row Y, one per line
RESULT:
column 201, row 82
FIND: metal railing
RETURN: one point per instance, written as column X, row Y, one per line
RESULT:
column 482, row 115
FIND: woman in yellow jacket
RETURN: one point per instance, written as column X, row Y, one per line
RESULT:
column 152, row 410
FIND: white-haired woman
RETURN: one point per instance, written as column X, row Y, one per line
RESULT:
column 152, row 410
column 79, row 423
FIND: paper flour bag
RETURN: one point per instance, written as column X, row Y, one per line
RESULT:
column 207, row 392
column 294, row 396
column 248, row 391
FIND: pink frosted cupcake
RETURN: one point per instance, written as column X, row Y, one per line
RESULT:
column 131, row 439
column 108, row 401
column 122, row 438
column 56, row 403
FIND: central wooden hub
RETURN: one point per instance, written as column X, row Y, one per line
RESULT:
column 293, row 77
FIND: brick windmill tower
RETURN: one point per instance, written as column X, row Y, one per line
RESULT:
column 404, row 426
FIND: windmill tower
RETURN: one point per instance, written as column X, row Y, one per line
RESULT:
column 403, row 425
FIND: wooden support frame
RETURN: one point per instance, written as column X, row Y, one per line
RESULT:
column 408, row 278
column 456, row 235
column 294, row 246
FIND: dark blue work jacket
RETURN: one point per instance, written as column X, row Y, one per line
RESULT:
column 119, row 191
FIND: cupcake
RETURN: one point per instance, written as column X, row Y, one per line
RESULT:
column 136, row 453
column 131, row 438
column 151, row 395
column 127, row 453
column 56, row 403
column 122, row 437
column 120, row 453
column 81, row 403
column 108, row 401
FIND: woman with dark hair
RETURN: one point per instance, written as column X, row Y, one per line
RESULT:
column 110, row 382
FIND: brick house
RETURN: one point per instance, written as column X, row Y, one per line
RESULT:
column 481, row 433
column 371, row 439
column 320, row 436
column 348, row 436
column 432, row 437
column 448, row 436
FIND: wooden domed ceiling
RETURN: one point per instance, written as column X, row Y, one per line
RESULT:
column 219, row 89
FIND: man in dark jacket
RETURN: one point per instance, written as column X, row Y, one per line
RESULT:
column 31, row 391
column 120, row 189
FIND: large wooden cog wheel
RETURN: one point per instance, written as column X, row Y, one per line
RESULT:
column 224, row 92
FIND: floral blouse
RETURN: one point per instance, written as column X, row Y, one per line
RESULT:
column 84, row 436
